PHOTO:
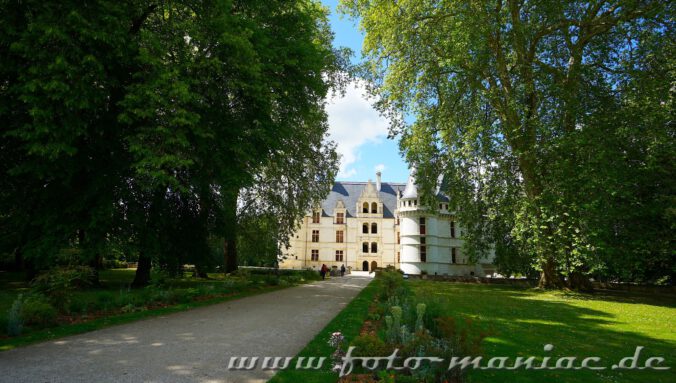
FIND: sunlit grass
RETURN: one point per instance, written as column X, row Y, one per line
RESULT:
column 521, row 321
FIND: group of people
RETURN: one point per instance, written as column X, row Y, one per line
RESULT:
column 325, row 269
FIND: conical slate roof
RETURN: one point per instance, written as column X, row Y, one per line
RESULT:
column 411, row 190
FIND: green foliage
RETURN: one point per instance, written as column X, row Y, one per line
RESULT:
column 37, row 311
column 393, row 284
column 550, row 121
column 59, row 283
column 370, row 345
column 14, row 317
column 418, row 330
column 196, row 108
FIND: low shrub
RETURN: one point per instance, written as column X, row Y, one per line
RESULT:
column 104, row 300
column 393, row 284
column 59, row 283
column 14, row 318
column 185, row 295
column 370, row 345
column 77, row 305
column 38, row 311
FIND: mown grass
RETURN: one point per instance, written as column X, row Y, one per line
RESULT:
column 521, row 321
column 349, row 321
column 115, row 303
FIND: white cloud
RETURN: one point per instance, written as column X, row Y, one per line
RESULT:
column 380, row 168
column 352, row 123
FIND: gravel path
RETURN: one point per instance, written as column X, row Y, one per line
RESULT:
column 191, row 346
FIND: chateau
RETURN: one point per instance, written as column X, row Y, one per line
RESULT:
column 364, row 226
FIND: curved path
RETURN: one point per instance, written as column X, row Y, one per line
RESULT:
column 191, row 346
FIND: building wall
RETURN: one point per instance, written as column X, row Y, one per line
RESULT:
column 298, row 256
column 405, row 255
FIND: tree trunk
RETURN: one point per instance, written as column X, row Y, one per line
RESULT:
column 200, row 273
column 230, row 243
column 230, row 253
column 579, row 282
column 93, row 261
column 549, row 277
column 142, row 277
column 18, row 259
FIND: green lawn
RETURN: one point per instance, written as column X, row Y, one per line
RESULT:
column 521, row 321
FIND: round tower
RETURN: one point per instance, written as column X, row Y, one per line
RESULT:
column 410, row 227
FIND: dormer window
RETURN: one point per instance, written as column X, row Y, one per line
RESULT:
column 315, row 216
column 340, row 218
column 365, row 208
column 374, row 208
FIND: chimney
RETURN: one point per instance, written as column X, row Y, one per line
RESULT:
column 378, row 174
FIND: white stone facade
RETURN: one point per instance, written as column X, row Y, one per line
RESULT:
column 365, row 226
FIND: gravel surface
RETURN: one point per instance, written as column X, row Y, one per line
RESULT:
column 190, row 346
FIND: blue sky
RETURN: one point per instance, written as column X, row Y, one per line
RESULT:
column 361, row 133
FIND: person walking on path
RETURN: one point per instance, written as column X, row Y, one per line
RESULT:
column 324, row 271
column 342, row 270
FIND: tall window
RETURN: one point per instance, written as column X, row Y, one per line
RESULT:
column 315, row 235
column 339, row 236
column 340, row 218
column 452, row 229
column 339, row 255
column 423, row 253
column 397, row 220
column 365, row 228
column 374, row 247
column 374, row 208
column 422, row 225
column 315, row 254
column 374, row 228
column 453, row 255
column 365, row 247
column 315, row 217
column 398, row 257
column 398, row 238
column 365, row 207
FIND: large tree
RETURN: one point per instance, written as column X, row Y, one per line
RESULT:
column 142, row 121
column 513, row 100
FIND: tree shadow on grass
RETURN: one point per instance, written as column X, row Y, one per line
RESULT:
column 521, row 321
column 619, row 296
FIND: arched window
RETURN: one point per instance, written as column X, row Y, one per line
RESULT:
column 374, row 247
column 365, row 208
column 365, row 247
column 374, row 208
column 365, row 228
column 374, row 228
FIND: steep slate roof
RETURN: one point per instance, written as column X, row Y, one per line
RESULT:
column 349, row 192
column 411, row 189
